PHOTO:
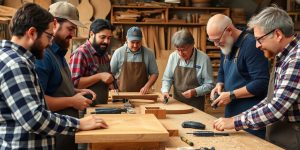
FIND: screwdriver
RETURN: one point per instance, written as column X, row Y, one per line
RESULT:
column 208, row 133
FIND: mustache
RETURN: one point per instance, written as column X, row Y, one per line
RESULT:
column 104, row 44
column 69, row 37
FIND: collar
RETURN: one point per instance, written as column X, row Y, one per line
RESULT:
column 90, row 47
column 57, row 50
column 18, row 49
column 281, row 55
column 129, row 51
column 237, row 44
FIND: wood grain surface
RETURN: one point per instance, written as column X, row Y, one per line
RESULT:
column 126, row 128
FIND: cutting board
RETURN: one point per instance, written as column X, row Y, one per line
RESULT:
column 85, row 10
column 134, row 95
column 101, row 8
column 126, row 128
column 171, row 108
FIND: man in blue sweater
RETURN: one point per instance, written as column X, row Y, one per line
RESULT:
column 243, row 74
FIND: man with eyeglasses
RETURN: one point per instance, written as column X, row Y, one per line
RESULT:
column 280, row 110
column 189, row 70
column 25, row 121
column 243, row 74
column 54, row 72
column 90, row 63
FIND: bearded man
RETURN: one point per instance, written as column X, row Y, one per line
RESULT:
column 54, row 73
column 90, row 64
column 243, row 74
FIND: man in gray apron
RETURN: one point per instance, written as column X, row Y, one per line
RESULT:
column 134, row 65
column 243, row 74
column 54, row 73
column 89, row 63
column 274, row 32
column 189, row 70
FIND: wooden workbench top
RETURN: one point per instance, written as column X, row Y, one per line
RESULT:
column 236, row 140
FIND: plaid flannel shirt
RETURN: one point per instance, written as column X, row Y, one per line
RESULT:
column 85, row 62
column 25, row 122
column 285, row 104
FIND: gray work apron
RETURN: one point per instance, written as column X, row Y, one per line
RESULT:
column 101, row 88
column 66, row 89
column 185, row 79
column 282, row 133
column 133, row 75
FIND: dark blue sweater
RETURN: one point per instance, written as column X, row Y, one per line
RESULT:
column 252, row 64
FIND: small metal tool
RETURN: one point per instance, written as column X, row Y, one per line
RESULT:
column 208, row 133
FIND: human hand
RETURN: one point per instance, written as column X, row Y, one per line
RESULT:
column 223, row 123
column 106, row 77
column 80, row 102
column 218, row 88
column 189, row 93
column 144, row 90
column 92, row 122
column 222, row 100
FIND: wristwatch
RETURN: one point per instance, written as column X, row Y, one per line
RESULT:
column 232, row 96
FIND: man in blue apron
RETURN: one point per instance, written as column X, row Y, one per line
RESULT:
column 280, row 111
column 189, row 70
column 89, row 63
column 54, row 72
column 134, row 65
column 243, row 74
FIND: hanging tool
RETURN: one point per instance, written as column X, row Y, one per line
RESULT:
column 208, row 133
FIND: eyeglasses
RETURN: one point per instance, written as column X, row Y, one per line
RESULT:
column 183, row 48
column 260, row 38
column 217, row 41
column 49, row 35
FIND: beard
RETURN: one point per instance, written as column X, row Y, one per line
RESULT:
column 37, row 50
column 100, row 48
column 62, row 42
column 226, row 49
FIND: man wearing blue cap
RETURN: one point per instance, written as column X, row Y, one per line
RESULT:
column 134, row 65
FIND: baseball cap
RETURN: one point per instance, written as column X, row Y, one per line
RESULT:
column 134, row 34
column 67, row 11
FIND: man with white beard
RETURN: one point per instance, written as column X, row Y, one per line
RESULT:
column 243, row 74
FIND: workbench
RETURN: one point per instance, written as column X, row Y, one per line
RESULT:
column 237, row 140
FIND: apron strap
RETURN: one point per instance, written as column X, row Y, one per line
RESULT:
column 195, row 59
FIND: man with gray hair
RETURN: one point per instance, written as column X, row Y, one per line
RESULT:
column 274, row 33
column 243, row 74
column 189, row 69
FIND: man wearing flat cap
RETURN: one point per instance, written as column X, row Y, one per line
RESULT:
column 134, row 65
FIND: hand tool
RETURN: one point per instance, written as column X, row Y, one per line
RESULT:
column 216, row 95
column 208, row 133
column 186, row 141
column 166, row 100
column 206, row 148
column 90, row 97
column 109, row 110
column 116, row 87
column 123, row 100
column 193, row 124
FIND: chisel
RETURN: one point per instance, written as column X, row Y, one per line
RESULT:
column 208, row 133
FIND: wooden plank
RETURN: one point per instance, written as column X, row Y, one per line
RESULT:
column 126, row 128
column 171, row 107
column 128, row 146
column 101, row 8
column 134, row 95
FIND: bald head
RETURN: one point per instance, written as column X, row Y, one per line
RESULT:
column 216, row 24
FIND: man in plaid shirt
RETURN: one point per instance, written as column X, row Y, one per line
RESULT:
column 25, row 122
column 274, row 32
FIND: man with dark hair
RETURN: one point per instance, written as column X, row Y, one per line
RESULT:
column 54, row 72
column 89, row 63
column 25, row 122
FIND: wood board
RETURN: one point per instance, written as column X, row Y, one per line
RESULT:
column 171, row 108
column 134, row 95
column 126, row 128
column 85, row 10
